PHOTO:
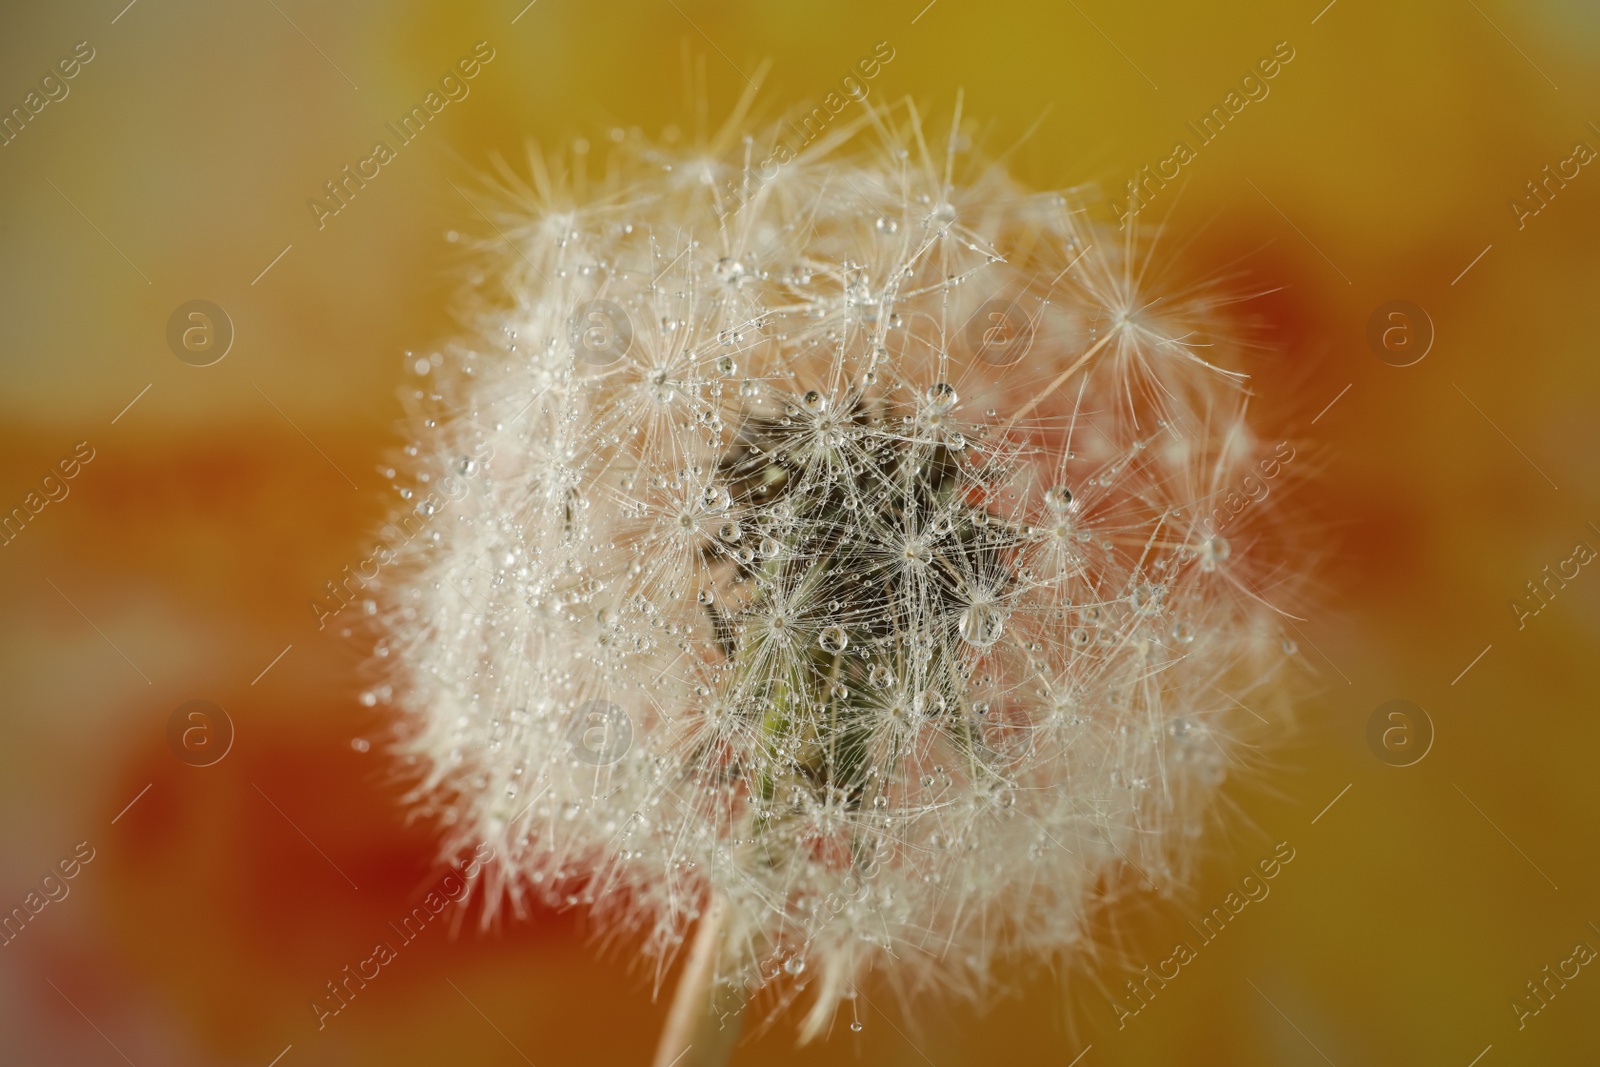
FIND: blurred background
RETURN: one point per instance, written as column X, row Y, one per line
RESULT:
column 177, row 561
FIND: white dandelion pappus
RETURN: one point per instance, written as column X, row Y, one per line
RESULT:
column 789, row 589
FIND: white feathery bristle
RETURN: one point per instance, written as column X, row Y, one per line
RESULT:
column 832, row 539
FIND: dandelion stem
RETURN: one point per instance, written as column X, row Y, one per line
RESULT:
column 703, row 1024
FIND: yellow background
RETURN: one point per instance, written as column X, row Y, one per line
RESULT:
column 180, row 164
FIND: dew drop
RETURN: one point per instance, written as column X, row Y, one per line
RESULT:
column 942, row 396
column 1147, row 598
column 814, row 402
column 715, row 498
column 881, row 677
column 730, row 531
column 794, row 965
column 981, row 624
column 1058, row 498
column 727, row 365
column 833, row 639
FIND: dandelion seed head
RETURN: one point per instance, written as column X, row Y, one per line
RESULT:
column 757, row 569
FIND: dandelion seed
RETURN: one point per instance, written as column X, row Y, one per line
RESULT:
column 757, row 627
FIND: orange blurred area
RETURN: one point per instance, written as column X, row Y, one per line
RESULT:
column 1386, row 163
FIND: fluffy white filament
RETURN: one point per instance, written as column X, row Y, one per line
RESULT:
column 862, row 575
